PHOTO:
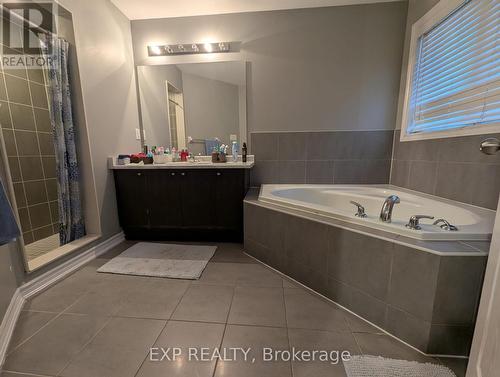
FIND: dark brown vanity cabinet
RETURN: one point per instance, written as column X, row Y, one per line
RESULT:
column 174, row 204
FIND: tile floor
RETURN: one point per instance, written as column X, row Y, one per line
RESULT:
column 102, row 325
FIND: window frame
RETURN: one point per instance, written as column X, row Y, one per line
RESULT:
column 433, row 17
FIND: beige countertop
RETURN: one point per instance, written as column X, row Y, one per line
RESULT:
column 203, row 162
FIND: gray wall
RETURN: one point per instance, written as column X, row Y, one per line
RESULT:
column 453, row 168
column 153, row 97
column 210, row 109
column 335, row 68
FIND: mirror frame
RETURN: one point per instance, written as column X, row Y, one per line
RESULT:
column 197, row 59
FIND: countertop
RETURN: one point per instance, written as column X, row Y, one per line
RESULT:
column 204, row 162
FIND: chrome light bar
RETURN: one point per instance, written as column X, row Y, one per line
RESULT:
column 189, row 48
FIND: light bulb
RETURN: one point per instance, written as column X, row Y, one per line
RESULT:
column 208, row 47
column 156, row 50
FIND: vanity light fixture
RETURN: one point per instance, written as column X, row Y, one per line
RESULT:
column 190, row 48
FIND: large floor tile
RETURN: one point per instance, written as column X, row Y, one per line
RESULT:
column 60, row 297
column 458, row 366
column 337, row 344
column 384, row 345
column 51, row 349
column 262, row 306
column 256, row 338
column 108, row 297
column 118, row 350
column 27, row 325
column 358, row 325
column 306, row 311
column 231, row 253
column 206, row 303
column 248, row 274
column 157, row 298
column 184, row 335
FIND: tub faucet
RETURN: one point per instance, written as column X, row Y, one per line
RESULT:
column 387, row 207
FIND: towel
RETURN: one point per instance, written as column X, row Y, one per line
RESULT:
column 210, row 144
column 9, row 230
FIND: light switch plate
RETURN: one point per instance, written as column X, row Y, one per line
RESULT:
column 233, row 137
column 137, row 134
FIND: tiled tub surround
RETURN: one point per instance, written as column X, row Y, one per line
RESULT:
column 355, row 157
column 424, row 293
column 452, row 168
column 27, row 132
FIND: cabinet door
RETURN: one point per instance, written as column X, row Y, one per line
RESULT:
column 164, row 196
column 131, row 193
column 198, row 198
column 229, row 198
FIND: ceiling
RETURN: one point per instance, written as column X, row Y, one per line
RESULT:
column 144, row 9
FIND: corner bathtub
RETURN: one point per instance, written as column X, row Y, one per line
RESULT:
column 474, row 223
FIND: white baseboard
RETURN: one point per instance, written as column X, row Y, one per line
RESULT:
column 42, row 282
column 59, row 272
column 9, row 322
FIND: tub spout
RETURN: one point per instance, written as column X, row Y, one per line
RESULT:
column 387, row 207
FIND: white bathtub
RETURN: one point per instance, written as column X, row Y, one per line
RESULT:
column 474, row 223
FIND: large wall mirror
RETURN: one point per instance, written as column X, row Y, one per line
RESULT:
column 193, row 105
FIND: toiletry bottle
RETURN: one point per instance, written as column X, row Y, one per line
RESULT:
column 244, row 153
column 234, row 151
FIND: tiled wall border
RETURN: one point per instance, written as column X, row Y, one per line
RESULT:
column 323, row 157
column 452, row 168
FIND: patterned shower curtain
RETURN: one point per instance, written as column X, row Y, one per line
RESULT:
column 71, row 223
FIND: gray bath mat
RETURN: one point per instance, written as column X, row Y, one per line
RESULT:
column 373, row 366
column 161, row 260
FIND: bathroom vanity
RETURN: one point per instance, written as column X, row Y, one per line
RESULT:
column 182, row 201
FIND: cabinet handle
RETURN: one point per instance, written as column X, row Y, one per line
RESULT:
column 218, row 173
column 139, row 174
column 172, row 174
column 183, row 174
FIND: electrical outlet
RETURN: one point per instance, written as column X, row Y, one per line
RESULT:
column 233, row 137
column 144, row 134
column 137, row 134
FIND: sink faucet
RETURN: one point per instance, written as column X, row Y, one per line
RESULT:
column 387, row 207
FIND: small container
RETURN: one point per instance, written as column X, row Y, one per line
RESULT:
column 222, row 157
column 160, row 158
column 123, row 159
column 148, row 160
column 215, row 156
column 244, row 153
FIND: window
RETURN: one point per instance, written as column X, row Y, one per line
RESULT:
column 453, row 79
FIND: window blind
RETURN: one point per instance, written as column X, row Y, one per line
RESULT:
column 456, row 77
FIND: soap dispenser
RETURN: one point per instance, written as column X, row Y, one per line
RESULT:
column 234, row 151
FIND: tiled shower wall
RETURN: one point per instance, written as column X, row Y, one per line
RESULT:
column 323, row 157
column 26, row 128
column 452, row 168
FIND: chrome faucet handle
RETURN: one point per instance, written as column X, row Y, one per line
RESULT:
column 361, row 209
column 414, row 222
column 445, row 225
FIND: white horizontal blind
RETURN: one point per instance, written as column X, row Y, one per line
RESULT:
column 456, row 79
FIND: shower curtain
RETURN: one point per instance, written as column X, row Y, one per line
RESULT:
column 71, row 223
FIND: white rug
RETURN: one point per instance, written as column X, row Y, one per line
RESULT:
column 161, row 260
column 373, row 366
